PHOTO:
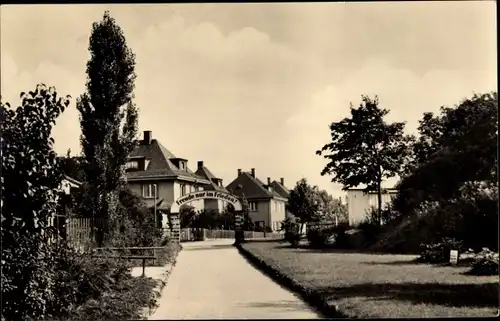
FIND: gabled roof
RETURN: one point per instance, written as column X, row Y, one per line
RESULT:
column 250, row 186
column 280, row 189
column 160, row 164
column 203, row 171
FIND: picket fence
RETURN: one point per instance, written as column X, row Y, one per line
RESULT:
column 79, row 230
column 200, row 234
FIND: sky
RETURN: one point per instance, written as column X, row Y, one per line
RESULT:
column 257, row 85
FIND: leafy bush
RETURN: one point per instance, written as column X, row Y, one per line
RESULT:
column 317, row 237
column 485, row 263
column 122, row 302
column 291, row 226
column 439, row 252
column 370, row 231
column 30, row 185
column 79, row 277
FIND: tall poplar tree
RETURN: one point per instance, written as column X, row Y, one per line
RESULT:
column 108, row 116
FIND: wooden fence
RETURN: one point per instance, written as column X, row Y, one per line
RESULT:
column 199, row 234
column 79, row 230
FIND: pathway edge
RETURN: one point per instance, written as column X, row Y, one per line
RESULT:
column 148, row 311
column 310, row 297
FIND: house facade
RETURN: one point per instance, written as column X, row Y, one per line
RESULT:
column 160, row 177
column 283, row 191
column 359, row 202
column 266, row 206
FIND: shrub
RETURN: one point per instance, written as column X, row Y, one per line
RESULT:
column 370, row 231
column 317, row 237
column 291, row 226
column 439, row 252
column 485, row 263
column 122, row 302
column 79, row 278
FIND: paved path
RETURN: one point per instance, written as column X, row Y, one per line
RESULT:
column 211, row 280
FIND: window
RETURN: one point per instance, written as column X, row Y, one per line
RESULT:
column 183, row 189
column 132, row 165
column 149, row 190
column 252, row 206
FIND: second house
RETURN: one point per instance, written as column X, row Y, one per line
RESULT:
column 267, row 208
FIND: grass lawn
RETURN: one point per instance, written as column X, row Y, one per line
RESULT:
column 378, row 285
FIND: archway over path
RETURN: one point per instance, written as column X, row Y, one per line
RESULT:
column 202, row 195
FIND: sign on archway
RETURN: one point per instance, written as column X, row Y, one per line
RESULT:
column 195, row 196
column 202, row 195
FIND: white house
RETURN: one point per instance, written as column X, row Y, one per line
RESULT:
column 359, row 202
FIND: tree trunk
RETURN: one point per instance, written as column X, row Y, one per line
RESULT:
column 379, row 199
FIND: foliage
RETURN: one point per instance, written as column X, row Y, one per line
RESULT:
column 317, row 237
column 108, row 117
column 365, row 149
column 73, row 166
column 304, row 202
column 370, row 230
column 458, row 146
column 332, row 209
column 123, row 302
column 439, row 252
column 471, row 217
column 187, row 216
column 136, row 222
column 450, row 186
column 30, row 186
column 79, row 278
column 291, row 225
column 485, row 263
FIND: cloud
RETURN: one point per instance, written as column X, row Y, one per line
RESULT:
column 240, row 87
column 197, row 81
column 406, row 95
column 67, row 130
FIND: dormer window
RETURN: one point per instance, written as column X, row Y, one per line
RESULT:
column 132, row 164
column 137, row 163
column 181, row 163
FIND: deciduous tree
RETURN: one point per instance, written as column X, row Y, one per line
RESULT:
column 365, row 149
column 455, row 147
column 304, row 202
column 30, row 188
column 332, row 209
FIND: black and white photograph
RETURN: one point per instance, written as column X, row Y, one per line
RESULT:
column 280, row 160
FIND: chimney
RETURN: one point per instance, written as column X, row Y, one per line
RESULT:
column 200, row 164
column 253, row 172
column 147, row 137
column 282, row 180
column 239, row 171
column 269, row 181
